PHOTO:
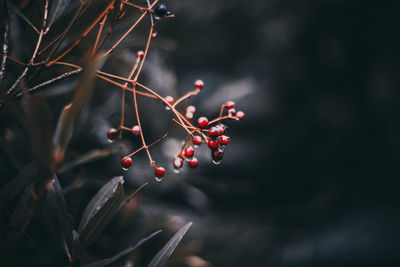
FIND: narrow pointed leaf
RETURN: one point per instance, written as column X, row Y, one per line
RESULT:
column 17, row 184
column 101, row 210
column 60, row 217
column 162, row 256
column 41, row 132
column 101, row 197
column 22, row 206
column 57, row 9
column 71, row 112
column 83, row 254
column 108, row 261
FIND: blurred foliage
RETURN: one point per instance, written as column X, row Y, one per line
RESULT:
column 311, row 176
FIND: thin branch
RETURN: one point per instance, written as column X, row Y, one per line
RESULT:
column 5, row 51
column 23, row 17
column 188, row 95
column 46, row 7
column 88, row 30
column 102, row 23
column 129, row 30
column 58, row 78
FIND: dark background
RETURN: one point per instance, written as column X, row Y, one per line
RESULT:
column 310, row 175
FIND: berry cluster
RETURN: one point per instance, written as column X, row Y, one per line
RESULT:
column 210, row 132
column 212, row 135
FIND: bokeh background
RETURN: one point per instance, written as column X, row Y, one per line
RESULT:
column 310, row 176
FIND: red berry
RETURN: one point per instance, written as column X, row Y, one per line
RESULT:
column 159, row 172
column 212, row 144
column 193, row 162
column 231, row 112
column 191, row 109
column 126, row 162
column 188, row 152
column 221, row 129
column 140, row 54
column 223, row 140
column 197, row 140
column 230, row 104
column 136, row 130
column 240, row 115
column 217, row 155
column 202, row 122
column 170, row 100
column 178, row 163
column 199, row 84
column 112, row 133
column 189, row 115
column 213, row 132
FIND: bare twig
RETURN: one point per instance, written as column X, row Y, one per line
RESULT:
column 5, row 51
column 39, row 41
column 51, row 81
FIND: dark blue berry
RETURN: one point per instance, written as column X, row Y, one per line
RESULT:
column 160, row 10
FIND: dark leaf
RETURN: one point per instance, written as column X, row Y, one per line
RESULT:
column 41, row 134
column 99, row 200
column 131, row 196
column 101, row 210
column 83, row 255
column 162, row 256
column 72, row 111
column 122, row 253
column 17, row 184
column 88, row 157
column 57, row 9
column 62, row 220
column 22, row 206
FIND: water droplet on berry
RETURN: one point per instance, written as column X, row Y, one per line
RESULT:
column 217, row 162
column 158, row 179
column 167, row 108
column 125, row 169
column 154, row 34
column 110, row 141
column 176, row 171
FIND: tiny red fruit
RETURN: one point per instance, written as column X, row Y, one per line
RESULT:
column 178, row 162
column 189, row 115
column 126, row 162
column 240, row 115
column 188, row 152
column 136, row 130
column 191, row 109
column 193, row 162
column 197, row 140
column 170, row 100
column 231, row 112
column 212, row 144
column 223, row 140
column 140, row 54
column 112, row 133
column 213, row 132
column 202, row 122
column 230, row 104
column 221, row 129
column 199, row 84
column 159, row 172
column 217, row 155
